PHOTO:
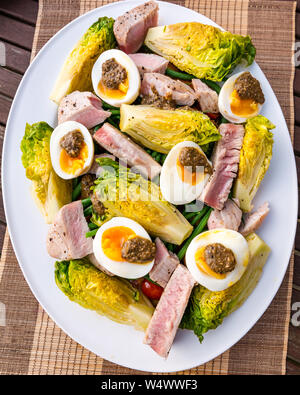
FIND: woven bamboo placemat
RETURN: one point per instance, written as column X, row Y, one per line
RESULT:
column 30, row 342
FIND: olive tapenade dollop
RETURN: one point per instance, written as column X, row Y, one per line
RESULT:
column 192, row 157
column 98, row 206
column 249, row 87
column 138, row 250
column 113, row 74
column 162, row 102
column 219, row 258
column 87, row 181
column 72, row 143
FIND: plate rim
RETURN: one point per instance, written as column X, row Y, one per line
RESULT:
column 288, row 250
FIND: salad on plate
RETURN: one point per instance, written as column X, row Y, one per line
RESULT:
column 148, row 179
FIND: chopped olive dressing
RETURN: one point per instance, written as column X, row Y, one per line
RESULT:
column 87, row 181
column 113, row 74
column 219, row 258
column 72, row 143
column 192, row 157
column 249, row 87
column 138, row 250
column 98, row 206
column 163, row 102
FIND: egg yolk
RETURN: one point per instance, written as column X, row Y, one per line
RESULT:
column 71, row 165
column 114, row 93
column 113, row 240
column 204, row 267
column 242, row 107
column 187, row 176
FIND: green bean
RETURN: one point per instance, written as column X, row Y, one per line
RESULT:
column 170, row 247
column 109, row 120
column 91, row 233
column 155, row 155
column 178, row 74
column 107, row 106
column 75, row 182
column 97, row 127
column 115, row 111
column 158, row 157
column 76, row 192
column 88, row 211
column 86, row 202
column 223, row 120
column 163, row 158
column 147, row 277
column 213, row 85
column 196, row 218
column 199, row 228
column 188, row 77
column 189, row 215
column 92, row 226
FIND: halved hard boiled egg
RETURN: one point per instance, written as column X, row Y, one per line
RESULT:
column 124, row 248
column 116, row 78
column 217, row 258
column 240, row 98
column 71, row 149
column 184, row 174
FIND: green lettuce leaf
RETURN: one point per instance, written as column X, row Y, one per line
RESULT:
column 201, row 50
column 49, row 191
column 255, row 157
column 160, row 130
column 207, row 309
column 113, row 297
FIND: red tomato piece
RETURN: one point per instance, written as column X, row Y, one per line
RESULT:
column 151, row 290
column 212, row 115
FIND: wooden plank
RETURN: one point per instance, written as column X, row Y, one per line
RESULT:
column 9, row 82
column 5, row 104
column 297, row 139
column 294, row 329
column 297, row 238
column 2, row 215
column 25, row 10
column 297, row 109
column 16, row 32
column 293, row 351
column 296, row 277
column 298, row 168
column 2, row 234
column 298, row 25
column 17, row 59
column 292, row 368
column 297, row 80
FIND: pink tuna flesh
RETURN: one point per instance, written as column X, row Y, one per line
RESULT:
column 83, row 107
column 66, row 236
column 125, row 149
column 149, row 63
column 165, row 321
column 131, row 28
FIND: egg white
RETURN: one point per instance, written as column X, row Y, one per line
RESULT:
column 224, row 101
column 55, row 149
column 122, row 269
column 230, row 239
column 173, row 189
column 132, row 71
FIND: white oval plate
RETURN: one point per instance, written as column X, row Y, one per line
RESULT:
column 119, row 343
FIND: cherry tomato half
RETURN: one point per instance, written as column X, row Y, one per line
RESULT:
column 212, row 115
column 151, row 290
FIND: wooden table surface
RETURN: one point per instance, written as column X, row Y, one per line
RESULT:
column 17, row 24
